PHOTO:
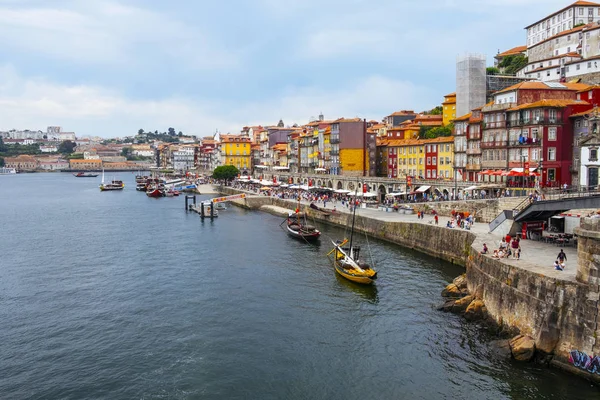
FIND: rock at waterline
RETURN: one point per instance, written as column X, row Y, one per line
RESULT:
column 476, row 310
column 451, row 291
column 522, row 347
column 460, row 281
column 447, row 306
column 461, row 305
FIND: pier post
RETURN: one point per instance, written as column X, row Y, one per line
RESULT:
column 202, row 210
column 212, row 211
column 189, row 197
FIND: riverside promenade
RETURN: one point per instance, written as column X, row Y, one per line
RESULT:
column 536, row 256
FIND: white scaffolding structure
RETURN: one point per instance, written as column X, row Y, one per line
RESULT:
column 470, row 83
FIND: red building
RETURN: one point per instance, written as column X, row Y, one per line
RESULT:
column 431, row 160
column 541, row 136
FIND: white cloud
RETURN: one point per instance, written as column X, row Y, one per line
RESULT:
column 108, row 32
column 34, row 103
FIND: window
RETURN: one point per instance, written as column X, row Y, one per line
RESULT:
column 568, row 38
column 434, row 161
column 589, row 62
column 552, row 133
column 552, row 154
column 580, row 10
column 593, row 154
column 428, row 160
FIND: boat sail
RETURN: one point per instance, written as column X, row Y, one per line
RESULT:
column 114, row 185
column 346, row 260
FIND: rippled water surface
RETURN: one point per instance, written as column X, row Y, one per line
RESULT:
column 118, row 296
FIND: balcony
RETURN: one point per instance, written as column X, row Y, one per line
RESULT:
column 334, row 152
column 474, row 151
column 533, row 121
column 488, row 145
column 498, row 107
column 473, row 167
column 474, row 136
column 494, row 125
column 515, row 143
column 334, row 139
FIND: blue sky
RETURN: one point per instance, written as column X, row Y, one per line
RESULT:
column 108, row 68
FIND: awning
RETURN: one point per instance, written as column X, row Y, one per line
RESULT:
column 423, row 189
column 261, row 166
column 395, row 194
column 360, row 194
column 266, row 183
column 320, row 169
column 280, row 168
column 559, row 217
column 284, row 185
column 342, row 191
column 470, row 188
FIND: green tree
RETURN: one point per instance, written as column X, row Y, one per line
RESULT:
column 226, row 172
column 66, row 147
column 435, row 111
column 513, row 63
column 492, row 71
column 140, row 132
column 180, row 134
column 171, row 131
column 126, row 152
column 2, row 145
column 1, row 162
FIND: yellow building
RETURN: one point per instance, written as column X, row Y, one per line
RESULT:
column 449, row 108
column 236, row 151
column 351, row 161
column 78, row 165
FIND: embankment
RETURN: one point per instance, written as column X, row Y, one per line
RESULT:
column 560, row 315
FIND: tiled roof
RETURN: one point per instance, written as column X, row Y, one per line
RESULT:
column 402, row 112
column 453, row 94
column 514, row 50
column 463, row 118
column 348, row 120
column 589, row 88
column 531, row 85
column 549, row 103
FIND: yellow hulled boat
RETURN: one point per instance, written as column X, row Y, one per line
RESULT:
column 346, row 263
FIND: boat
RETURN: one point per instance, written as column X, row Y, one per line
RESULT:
column 322, row 210
column 298, row 227
column 346, row 260
column 155, row 191
column 85, row 175
column 7, row 171
column 220, row 206
column 113, row 185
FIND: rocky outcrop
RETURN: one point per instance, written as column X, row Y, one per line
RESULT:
column 460, row 305
column 522, row 347
column 476, row 310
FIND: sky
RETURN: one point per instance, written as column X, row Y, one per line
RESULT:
column 110, row 67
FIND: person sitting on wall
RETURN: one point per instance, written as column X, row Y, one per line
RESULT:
column 485, row 249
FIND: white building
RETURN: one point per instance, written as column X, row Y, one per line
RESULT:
column 26, row 134
column 183, row 158
column 49, row 149
column 580, row 12
column 588, row 170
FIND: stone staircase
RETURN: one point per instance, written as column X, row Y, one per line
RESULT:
column 489, row 213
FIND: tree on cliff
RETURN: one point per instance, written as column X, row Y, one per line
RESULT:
column 66, row 147
column 2, row 145
column 140, row 132
column 226, row 172
column 510, row 65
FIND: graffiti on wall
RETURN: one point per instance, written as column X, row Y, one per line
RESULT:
column 583, row 361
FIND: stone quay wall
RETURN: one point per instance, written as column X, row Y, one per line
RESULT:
column 562, row 316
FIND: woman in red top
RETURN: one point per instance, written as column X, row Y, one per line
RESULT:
column 515, row 247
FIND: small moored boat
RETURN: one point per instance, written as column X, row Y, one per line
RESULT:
column 298, row 227
column 85, row 175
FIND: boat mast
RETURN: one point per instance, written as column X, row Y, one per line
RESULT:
column 353, row 218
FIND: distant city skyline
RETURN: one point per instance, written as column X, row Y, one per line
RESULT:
column 109, row 68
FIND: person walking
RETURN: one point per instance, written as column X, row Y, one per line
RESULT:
column 562, row 257
column 435, row 217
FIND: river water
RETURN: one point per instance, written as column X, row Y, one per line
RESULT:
column 114, row 295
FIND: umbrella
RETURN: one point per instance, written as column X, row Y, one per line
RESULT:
column 265, row 188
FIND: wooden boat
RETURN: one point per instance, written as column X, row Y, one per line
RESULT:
column 323, row 210
column 155, row 192
column 298, row 227
column 346, row 264
column 85, row 175
column 114, row 185
column 346, row 260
